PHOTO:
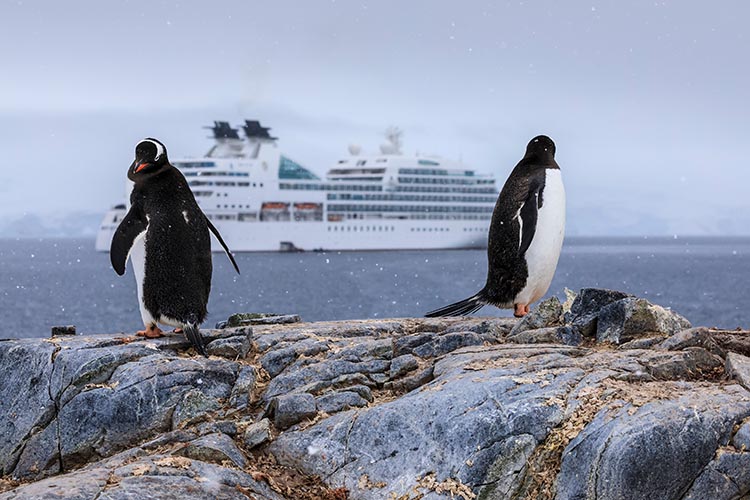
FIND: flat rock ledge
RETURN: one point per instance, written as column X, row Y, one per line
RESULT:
column 604, row 397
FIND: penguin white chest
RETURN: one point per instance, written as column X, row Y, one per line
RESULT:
column 138, row 258
column 544, row 251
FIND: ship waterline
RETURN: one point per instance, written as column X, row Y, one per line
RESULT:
column 261, row 200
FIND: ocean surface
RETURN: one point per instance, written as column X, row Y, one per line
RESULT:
column 66, row 282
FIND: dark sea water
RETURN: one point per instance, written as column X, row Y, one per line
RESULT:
column 64, row 281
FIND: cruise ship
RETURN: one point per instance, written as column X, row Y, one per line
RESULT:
column 262, row 200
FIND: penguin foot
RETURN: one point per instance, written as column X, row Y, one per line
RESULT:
column 520, row 310
column 151, row 332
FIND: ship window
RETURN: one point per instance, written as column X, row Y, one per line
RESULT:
column 289, row 169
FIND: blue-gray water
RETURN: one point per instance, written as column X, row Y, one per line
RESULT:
column 64, row 281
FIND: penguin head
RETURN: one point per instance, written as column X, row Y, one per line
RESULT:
column 540, row 148
column 150, row 157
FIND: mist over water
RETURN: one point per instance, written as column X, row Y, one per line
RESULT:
column 64, row 281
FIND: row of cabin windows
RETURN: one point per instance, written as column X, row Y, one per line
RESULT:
column 329, row 187
column 195, row 164
column 429, row 229
column 435, row 189
column 408, row 189
column 434, row 171
column 342, row 229
column 472, row 229
column 412, row 216
column 224, row 183
column 358, row 171
column 216, row 174
column 335, row 207
column 441, row 180
column 406, row 197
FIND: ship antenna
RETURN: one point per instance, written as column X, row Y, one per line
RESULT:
column 394, row 136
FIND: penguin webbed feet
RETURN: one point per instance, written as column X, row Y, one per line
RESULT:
column 520, row 310
column 151, row 332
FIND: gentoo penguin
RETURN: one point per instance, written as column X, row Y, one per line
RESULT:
column 166, row 236
column 526, row 235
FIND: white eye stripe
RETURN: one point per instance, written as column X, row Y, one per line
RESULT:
column 159, row 148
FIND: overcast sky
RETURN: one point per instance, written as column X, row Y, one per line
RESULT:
column 649, row 102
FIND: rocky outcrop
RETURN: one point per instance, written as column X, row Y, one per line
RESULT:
column 471, row 408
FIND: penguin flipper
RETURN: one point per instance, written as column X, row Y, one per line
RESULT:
column 128, row 230
column 527, row 217
column 461, row 308
column 223, row 245
column 193, row 334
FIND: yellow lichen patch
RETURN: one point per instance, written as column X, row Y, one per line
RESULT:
column 454, row 487
column 177, row 462
column 102, row 386
column 364, row 483
column 140, row 470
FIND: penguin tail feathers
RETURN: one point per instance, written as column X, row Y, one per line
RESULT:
column 461, row 308
column 193, row 334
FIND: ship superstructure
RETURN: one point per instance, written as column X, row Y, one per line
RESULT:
column 262, row 200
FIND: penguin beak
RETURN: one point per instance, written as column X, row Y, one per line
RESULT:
column 140, row 167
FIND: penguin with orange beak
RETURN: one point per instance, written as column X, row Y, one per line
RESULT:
column 166, row 236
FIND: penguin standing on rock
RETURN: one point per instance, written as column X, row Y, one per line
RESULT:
column 166, row 236
column 526, row 235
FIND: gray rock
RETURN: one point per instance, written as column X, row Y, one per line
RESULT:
column 406, row 384
column 26, row 405
column 227, row 427
column 547, row 314
column 321, row 373
column 741, row 438
column 738, row 366
column 242, row 319
column 630, row 318
column 216, row 448
column 725, row 478
column 138, row 477
column 642, row 343
column 291, row 409
column 403, row 364
column 257, row 434
column 333, row 402
column 193, row 406
column 551, row 335
column 243, row 387
column 664, row 444
column 78, row 386
column 585, row 309
column 362, row 390
column 230, row 348
column 63, row 330
column 445, row 343
column 407, row 343
column 275, row 361
column 489, row 415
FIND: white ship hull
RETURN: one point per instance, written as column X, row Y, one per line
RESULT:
column 346, row 235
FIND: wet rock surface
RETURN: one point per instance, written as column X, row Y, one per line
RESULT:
column 469, row 408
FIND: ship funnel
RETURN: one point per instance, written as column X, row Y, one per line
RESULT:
column 355, row 149
column 222, row 130
column 228, row 142
column 253, row 130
